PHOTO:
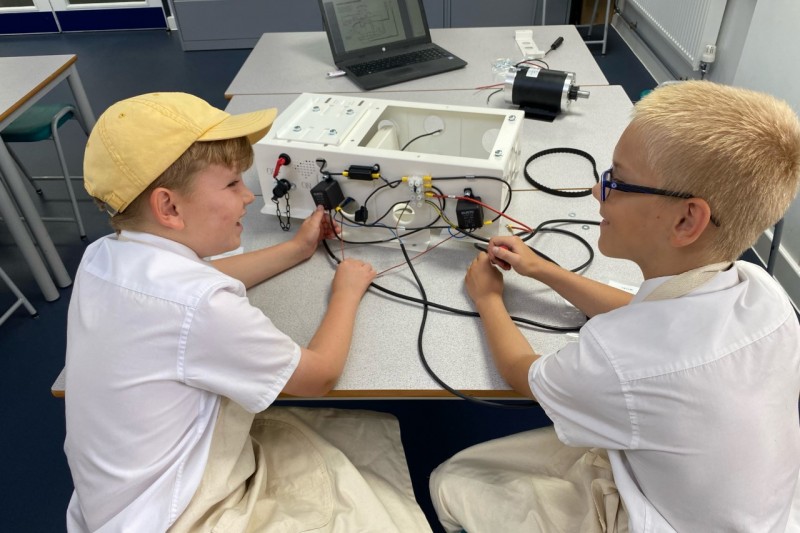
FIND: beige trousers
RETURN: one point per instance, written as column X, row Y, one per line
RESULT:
column 528, row 482
column 291, row 469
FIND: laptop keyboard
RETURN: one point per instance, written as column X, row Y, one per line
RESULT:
column 379, row 65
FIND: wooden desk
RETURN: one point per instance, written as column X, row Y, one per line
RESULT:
column 296, row 62
column 25, row 80
column 383, row 360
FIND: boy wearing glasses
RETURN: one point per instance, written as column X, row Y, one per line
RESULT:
column 677, row 408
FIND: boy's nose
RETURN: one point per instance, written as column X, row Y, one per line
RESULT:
column 248, row 196
column 596, row 191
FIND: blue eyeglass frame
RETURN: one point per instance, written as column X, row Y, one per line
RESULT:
column 607, row 182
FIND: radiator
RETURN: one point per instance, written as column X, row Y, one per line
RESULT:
column 688, row 25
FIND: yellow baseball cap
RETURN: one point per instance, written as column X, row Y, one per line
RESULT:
column 137, row 139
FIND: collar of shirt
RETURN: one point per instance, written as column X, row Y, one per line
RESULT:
column 723, row 280
column 159, row 242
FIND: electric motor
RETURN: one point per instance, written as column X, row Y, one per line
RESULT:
column 540, row 92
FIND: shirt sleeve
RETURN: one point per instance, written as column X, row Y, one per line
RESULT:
column 233, row 349
column 581, row 393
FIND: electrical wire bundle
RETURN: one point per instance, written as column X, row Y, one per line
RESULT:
column 526, row 233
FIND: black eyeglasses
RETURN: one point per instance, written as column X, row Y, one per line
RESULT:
column 608, row 183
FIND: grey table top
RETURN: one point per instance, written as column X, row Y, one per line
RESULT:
column 304, row 58
column 384, row 359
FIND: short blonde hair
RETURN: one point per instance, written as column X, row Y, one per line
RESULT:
column 737, row 149
column 236, row 154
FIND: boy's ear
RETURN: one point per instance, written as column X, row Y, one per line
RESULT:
column 692, row 220
column 163, row 206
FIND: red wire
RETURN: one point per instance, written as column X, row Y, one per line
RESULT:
column 418, row 255
column 482, row 87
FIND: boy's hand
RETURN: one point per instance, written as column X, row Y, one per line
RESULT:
column 313, row 230
column 352, row 278
column 483, row 279
column 509, row 252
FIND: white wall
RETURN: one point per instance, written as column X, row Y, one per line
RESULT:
column 731, row 41
column 769, row 63
column 757, row 48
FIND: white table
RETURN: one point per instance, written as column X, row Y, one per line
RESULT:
column 25, row 80
column 383, row 361
column 296, row 62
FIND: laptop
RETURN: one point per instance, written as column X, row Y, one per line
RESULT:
column 383, row 42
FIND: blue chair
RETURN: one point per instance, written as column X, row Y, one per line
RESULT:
column 39, row 123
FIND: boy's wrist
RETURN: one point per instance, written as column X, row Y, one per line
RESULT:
column 489, row 302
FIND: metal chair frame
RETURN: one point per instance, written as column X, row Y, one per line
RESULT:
column 21, row 300
column 54, row 125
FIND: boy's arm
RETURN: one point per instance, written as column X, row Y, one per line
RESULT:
column 590, row 296
column 321, row 363
column 511, row 352
column 254, row 267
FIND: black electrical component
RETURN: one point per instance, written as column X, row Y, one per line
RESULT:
column 543, row 94
column 469, row 214
column 362, row 172
column 280, row 189
column 361, row 214
column 556, row 44
column 328, row 194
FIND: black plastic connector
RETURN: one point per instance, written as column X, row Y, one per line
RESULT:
column 328, row 194
column 361, row 214
column 469, row 214
column 362, row 172
column 280, row 189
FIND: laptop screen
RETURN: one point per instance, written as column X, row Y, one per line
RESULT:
column 356, row 26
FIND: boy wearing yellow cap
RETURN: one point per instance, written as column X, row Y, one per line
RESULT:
column 170, row 370
column 676, row 410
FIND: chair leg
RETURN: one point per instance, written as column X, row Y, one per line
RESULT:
column 63, row 162
column 24, row 171
column 21, row 300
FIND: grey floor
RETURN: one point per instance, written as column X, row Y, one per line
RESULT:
column 115, row 65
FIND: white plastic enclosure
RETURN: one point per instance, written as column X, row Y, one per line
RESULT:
column 335, row 132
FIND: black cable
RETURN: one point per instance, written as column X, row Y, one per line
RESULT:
column 556, row 192
column 424, row 361
column 420, row 137
column 426, row 304
column 519, row 320
column 541, row 229
column 492, row 94
column 530, row 62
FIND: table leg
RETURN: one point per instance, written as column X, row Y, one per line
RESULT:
column 81, row 101
column 17, row 188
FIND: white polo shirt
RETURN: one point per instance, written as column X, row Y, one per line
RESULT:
column 696, row 400
column 155, row 337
